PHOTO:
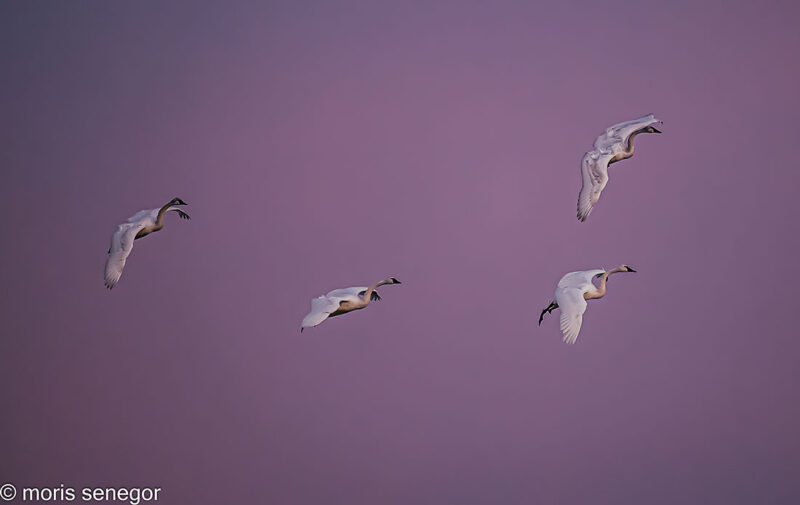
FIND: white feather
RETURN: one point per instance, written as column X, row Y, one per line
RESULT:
column 324, row 305
column 121, row 247
column 569, row 296
column 122, row 241
column 594, row 165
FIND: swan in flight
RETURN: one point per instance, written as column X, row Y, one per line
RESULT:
column 616, row 144
column 139, row 225
column 342, row 301
column 571, row 294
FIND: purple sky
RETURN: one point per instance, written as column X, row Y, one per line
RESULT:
column 328, row 144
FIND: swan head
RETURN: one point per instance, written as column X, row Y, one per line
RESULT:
column 392, row 280
column 626, row 268
column 177, row 201
column 652, row 129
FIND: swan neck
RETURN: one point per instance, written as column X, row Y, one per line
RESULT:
column 160, row 217
column 630, row 148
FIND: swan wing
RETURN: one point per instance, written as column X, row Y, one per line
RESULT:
column 570, row 301
column 321, row 308
column 144, row 215
column 594, row 171
column 582, row 279
column 150, row 215
column 347, row 293
column 619, row 133
column 121, row 246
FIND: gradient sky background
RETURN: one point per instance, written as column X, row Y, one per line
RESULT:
column 329, row 144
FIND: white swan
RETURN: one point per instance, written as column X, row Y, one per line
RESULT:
column 138, row 225
column 342, row 301
column 571, row 294
column 616, row 144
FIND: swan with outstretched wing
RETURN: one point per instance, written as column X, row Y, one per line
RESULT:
column 342, row 301
column 571, row 294
column 615, row 144
column 137, row 226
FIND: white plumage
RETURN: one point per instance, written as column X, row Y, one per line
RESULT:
column 615, row 144
column 138, row 225
column 342, row 301
column 324, row 305
column 572, row 292
column 569, row 296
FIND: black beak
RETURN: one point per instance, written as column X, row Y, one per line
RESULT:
column 631, row 270
column 656, row 130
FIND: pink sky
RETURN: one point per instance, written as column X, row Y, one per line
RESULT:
column 328, row 144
